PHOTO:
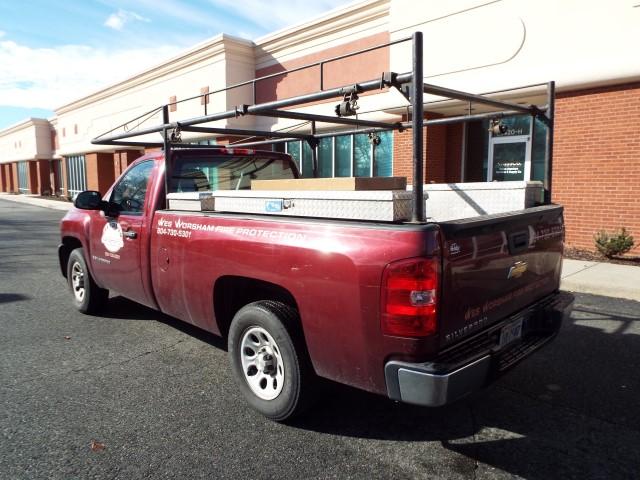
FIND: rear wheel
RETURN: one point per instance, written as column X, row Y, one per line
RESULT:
column 269, row 359
column 87, row 296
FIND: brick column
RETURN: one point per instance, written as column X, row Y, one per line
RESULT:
column 116, row 165
column 32, row 171
column 43, row 178
column 100, row 173
column 403, row 155
column 434, row 139
column 126, row 158
column 14, row 176
column 8, row 177
column 52, row 177
column 3, row 182
column 63, row 169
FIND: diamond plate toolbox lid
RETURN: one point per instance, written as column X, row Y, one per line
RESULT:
column 378, row 205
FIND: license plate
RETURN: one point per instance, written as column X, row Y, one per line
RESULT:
column 511, row 332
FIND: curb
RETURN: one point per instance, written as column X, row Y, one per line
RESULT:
column 37, row 202
column 613, row 292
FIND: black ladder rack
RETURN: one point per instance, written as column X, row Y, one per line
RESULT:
column 410, row 84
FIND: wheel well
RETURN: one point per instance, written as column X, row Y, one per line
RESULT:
column 231, row 293
column 69, row 244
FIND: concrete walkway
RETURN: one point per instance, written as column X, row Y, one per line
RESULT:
column 37, row 201
column 608, row 279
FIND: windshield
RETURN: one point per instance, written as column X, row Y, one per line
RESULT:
column 225, row 172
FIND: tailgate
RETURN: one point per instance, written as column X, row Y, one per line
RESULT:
column 495, row 265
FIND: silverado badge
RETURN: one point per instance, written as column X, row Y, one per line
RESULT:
column 517, row 269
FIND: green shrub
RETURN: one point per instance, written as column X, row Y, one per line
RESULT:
column 614, row 244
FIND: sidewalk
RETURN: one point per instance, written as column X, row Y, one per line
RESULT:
column 36, row 201
column 608, row 279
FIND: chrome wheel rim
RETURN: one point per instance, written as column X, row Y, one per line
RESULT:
column 77, row 281
column 262, row 363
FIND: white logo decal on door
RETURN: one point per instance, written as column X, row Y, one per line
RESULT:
column 112, row 237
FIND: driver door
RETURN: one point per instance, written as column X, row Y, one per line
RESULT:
column 117, row 242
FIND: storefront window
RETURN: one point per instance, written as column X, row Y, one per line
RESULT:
column 57, row 168
column 76, row 174
column 23, row 177
column 293, row 149
column 383, row 165
column 325, row 157
column 538, row 150
column 307, row 160
column 345, row 155
column 362, row 156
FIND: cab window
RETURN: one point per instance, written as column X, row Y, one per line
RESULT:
column 200, row 173
column 130, row 192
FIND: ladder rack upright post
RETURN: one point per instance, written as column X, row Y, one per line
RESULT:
column 417, row 116
column 167, row 152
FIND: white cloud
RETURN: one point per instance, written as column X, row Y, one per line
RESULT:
column 118, row 20
column 114, row 21
column 50, row 77
column 2, row 33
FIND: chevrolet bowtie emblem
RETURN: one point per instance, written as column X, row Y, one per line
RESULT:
column 517, row 269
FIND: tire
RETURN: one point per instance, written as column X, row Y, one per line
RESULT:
column 269, row 359
column 87, row 296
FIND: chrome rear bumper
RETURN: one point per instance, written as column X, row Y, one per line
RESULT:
column 435, row 384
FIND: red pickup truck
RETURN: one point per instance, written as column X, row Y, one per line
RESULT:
column 422, row 313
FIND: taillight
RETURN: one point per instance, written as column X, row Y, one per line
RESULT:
column 409, row 298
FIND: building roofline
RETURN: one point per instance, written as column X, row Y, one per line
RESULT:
column 323, row 18
column 22, row 124
column 215, row 45
column 330, row 22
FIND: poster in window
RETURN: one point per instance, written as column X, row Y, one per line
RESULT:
column 508, row 161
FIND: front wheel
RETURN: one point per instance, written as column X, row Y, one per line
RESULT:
column 87, row 296
column 269, row 359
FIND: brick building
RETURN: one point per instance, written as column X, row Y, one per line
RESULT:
column 469, row 45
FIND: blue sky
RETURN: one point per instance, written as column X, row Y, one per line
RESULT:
column 54, row 52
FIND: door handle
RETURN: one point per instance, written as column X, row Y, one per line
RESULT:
column 130, row 234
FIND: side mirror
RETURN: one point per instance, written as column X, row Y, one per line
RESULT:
column 89, row 200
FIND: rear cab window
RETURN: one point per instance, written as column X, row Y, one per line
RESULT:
column 211, row 171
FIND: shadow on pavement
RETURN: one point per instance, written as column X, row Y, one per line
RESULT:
column 121, row 308
column 13, row 297
column 569, row 411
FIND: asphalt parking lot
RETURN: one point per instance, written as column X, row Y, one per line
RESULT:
column 135, row 394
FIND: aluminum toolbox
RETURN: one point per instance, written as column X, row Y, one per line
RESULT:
column 380, row 205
